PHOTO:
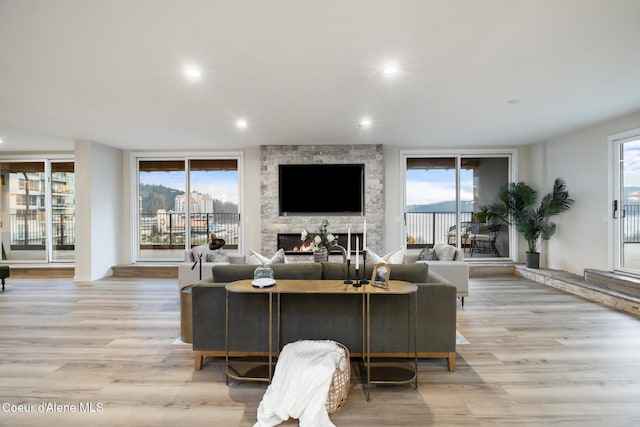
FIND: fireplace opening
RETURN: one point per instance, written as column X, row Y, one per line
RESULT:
column 293, row 245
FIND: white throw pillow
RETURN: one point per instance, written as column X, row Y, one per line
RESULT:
column 373, row 258
column 258, row 259
column 393, row 257
column 445, row 252
column 197, row 252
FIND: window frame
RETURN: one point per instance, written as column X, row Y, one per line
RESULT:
column 135, row 159
column 458, row 154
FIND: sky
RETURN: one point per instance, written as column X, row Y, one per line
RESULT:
column 437, row 185
column 221, row 185
column 632, row 164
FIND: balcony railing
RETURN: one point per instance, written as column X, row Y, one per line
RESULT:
column 631, row 224
column 429, row 228
column 28, row 231
column 167, row 230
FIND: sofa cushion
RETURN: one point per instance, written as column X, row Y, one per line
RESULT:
column 296, row 271
column 413, row 273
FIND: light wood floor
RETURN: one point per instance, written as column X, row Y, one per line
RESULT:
column 537, row 356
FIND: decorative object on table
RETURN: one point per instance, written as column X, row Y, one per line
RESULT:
column 263, row 276
column 216, row 253
column 364, row 281
column 348, row 280
column 516, row 209
column 215, row 243
column 356, row 282
column 380, row 276
column 319, row 242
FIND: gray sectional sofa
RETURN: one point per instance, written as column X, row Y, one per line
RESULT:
column 334, row 316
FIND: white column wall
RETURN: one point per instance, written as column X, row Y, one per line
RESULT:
column 99, row 179
column 251, row 184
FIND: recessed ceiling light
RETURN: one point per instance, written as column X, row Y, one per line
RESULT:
column 390, row 70
column 241, row 124
column 192, row 72
column 365, row 122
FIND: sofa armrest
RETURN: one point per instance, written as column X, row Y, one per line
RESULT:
column 455, row 272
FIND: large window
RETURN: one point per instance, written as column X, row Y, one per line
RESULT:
column 443, row 196
column 181, row 202
column 37, row 209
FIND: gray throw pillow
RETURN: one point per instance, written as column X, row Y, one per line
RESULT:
column 427, row 254
column 217, row 256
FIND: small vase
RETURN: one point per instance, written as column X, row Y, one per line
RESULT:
column 321, row 254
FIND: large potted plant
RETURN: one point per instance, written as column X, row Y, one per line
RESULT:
column 516, row 208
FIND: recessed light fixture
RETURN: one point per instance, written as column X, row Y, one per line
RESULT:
column 365, row 122
column 390, row 70
column 192, row 72
column 241, row 124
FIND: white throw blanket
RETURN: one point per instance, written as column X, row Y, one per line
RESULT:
column 301, row 384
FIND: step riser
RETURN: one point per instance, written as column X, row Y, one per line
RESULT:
column 613, row 281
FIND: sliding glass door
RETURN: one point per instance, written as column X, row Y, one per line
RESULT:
column 37, row 211
column 444, row 196
column 182, row 201
column 626, row 203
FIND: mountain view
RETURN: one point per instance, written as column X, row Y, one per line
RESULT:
column 448, row 206
column 154, row 197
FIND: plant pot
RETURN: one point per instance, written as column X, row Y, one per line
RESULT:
column 321, row 254
column 532, row 259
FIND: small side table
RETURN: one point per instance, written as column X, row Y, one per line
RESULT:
column 4, row 273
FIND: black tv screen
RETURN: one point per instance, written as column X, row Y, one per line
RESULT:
column 321, row 189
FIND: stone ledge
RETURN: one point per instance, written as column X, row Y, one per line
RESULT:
column 575, row 284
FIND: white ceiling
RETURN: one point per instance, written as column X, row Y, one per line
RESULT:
column 305, row 72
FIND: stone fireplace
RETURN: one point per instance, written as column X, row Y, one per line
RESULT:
column 272, row 223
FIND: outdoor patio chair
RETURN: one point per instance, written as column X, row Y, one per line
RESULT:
column 484, row 240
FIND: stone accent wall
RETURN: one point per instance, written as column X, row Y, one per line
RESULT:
column 272, row 223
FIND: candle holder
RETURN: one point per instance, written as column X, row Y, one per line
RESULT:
column 357, row 283
column 348, row 281
column 364, row 280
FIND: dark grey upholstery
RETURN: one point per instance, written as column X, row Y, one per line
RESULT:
column 315, row 316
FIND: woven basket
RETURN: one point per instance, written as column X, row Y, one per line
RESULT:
column 339, row 385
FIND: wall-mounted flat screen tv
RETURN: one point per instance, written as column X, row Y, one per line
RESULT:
column 334, row 189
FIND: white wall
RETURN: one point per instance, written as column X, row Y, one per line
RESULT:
column 98, row 170
column 251, row 185
column 393, row 200
column 582, row 159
